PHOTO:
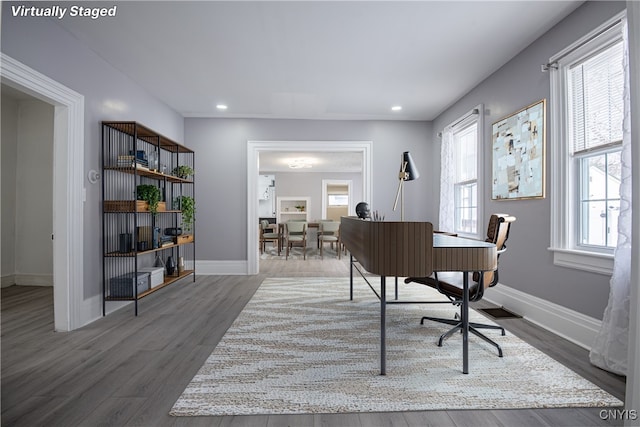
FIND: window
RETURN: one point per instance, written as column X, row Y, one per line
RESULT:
column 599, row 200
column 460, row 169
column 465, row 143
column 595, row 106
column 338, row 199
column 586, row 95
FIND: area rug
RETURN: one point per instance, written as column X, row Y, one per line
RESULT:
column 301, row 346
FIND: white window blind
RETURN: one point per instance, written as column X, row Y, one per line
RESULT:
column 596, row 108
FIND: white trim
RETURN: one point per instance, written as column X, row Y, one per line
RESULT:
column 33, row 279
column 564, row 322
column 599, row 33
column 224, row 268
column 481, row 180
column 92, row 309
column 582, row 260
column 466, row 120
column 632, row 393
column 68, row 161
column 8, row 280
column 297, row 215
column 253, row 154
column 563, row 169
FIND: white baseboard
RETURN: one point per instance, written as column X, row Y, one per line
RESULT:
column 91, row 309
column 8, row 280
column 221, row 268
column 569, row 324
column 33, row 279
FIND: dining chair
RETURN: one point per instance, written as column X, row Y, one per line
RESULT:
column 296, row 235
column 268, row 236
column 451, row 284
column 329, row 232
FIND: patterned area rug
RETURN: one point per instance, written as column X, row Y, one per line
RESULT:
column 300, row 346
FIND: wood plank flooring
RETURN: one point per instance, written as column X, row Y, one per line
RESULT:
column 128, row 371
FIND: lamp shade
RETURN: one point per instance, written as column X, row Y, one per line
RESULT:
column 411, row 170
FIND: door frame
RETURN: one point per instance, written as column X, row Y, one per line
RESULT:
column 254, row 148
column 325, row 193
column 68, row 161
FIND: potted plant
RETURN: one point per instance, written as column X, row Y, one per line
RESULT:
column 188, row 208
column 150, row 194
column 183, row 171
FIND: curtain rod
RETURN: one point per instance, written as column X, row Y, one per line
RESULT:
column 473, row 112
column 553, row 61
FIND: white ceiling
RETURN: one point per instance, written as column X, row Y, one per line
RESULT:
column 314, row 60
column 276, row 161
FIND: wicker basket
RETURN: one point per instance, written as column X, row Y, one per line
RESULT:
column 185, row 238
column 131, row 206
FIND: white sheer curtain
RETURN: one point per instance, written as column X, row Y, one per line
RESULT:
column 609, row 350
column 447, row 171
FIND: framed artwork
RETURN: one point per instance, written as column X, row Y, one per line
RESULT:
column 517, row 149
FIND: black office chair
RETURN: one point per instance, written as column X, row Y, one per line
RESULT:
column 450, row 284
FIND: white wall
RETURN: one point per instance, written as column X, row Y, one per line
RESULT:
column 27, row 168
column 34, row 194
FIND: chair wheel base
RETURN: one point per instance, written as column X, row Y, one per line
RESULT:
column 473, row 328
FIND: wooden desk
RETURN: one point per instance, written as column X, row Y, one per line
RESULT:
column 404, row 249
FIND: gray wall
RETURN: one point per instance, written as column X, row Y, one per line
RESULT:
column 221, row 168
column 309, row 184
column 528, row 265
column 109, row 95
column 220, row 145
column 9, row 157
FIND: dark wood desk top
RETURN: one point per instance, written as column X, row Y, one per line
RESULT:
column 390, row 248
column 461, row 254
column 405, row 248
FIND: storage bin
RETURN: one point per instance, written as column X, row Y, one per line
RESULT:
column 131, row 206
column 156, row 275
column 185, row 238
column 128, row 285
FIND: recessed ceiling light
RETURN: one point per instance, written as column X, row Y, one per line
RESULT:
column 396, row 108
column 221, row 107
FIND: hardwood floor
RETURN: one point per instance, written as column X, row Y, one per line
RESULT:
column 128, row 371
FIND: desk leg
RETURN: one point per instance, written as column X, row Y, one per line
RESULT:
column 351, row 277
column 383, row 326
column 465, row 323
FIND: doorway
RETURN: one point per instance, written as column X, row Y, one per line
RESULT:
column 68, row 161
column 254, row 148
column 27, row 170
column 337, row 199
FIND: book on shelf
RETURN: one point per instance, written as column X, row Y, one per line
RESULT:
column 130, row 161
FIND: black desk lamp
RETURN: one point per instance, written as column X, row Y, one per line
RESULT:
column 408, row 172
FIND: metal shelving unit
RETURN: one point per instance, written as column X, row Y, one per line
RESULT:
column 133, row 238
